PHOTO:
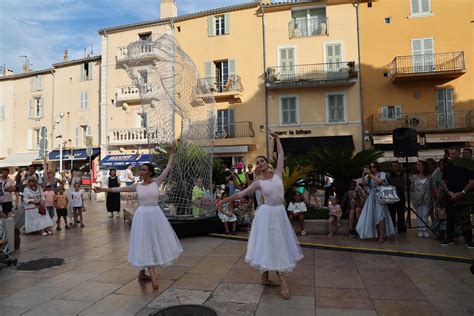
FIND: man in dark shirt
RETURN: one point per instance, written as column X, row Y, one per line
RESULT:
column 457, row 182
column 397, row 210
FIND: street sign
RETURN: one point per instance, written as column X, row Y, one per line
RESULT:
column 88, row 141
column 43, row 144
column 43, row 154
column 43, row 132
column 89, row 151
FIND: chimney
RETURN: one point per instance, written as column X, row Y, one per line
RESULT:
column 26, row 67
column 66, row 57
column 264, row 1
column 168, row 9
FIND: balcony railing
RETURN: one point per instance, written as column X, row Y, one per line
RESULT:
column 308, row 27
column 427, row 64
column 141, row 49
column 130, row 92
column 129, row 136
column 426, row 121
column 235, row 130
column 316, row 74
column 222, row 85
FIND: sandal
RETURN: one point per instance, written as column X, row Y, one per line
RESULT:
column 285, row 292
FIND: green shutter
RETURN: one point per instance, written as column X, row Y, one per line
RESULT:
column 208, row 73
column 227, row 23
column 210, row 26
column 231, row 123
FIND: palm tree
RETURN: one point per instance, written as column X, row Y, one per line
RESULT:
column 342, row 165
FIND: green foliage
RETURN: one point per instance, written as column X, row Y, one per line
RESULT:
column 218, row 171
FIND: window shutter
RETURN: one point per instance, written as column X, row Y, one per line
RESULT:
column 41, row 107
column 40, row 82
column 29, row 139
column 77, row 136
column 398, row 112
column 81, row 101
column 32, row 84
column 208, row 73
column 384, row 112
column 231, row 123
column 414, row 7
column 210, row 26
column 89, row 130
column 340, row 108
column 227, row 23
column 425, row 6
column 89, row 69
column 30, row 109
column 82, row 71
column 231, row 65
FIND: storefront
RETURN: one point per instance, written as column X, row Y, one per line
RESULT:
column 301, row 145
column 120, row 163
column 21, row 160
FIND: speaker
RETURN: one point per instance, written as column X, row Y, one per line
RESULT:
column 405, row 142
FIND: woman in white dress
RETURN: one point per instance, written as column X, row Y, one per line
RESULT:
column 33, row 199
column 153, row 241
column 272, row 244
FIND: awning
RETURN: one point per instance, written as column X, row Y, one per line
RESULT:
column 124, row 160
column 19, row 159
column 436, row 154
column 382, row 139
column 300, row 145
column 230, row 149
column 449, row 138
column 78, row 154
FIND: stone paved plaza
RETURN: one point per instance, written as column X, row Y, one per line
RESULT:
column 97, row 280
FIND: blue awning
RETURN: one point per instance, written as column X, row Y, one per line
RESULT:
column 78, row 154
column 124, row 160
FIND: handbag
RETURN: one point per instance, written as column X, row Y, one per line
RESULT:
column 42, row 210
column 387, row 194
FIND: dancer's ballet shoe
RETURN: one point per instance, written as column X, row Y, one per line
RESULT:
column 285, row 292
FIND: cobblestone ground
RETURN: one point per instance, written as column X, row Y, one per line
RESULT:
column 96, row 278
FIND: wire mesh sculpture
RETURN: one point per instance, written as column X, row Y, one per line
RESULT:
column 177, row 104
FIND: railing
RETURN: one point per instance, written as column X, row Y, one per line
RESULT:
column 312, row 72
column 125, row 136
column 235, row 130
column 140, row 49
column 221, row 85
column 308, row 27
column 425, row 121
column 414, row 64
column 130, row 92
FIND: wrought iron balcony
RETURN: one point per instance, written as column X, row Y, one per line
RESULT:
column 129, row 136
column 235, row 130
column 425, row 122
column 308, row 27
column 435, row 66
column 312, row 75
column 130, row 93
column 223, row 88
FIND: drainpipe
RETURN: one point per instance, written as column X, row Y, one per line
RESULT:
column 52, row 109
column 265, row 90
column 356, row 5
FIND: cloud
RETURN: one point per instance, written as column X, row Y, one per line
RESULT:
column 43, row 29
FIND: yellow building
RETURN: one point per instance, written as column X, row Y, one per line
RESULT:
column 417, row 57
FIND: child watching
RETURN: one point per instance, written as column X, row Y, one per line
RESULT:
column 61, row 202
column 227, row 216
column 296, row 210
column 49, row 200
column 335, row 214
column 77, row 205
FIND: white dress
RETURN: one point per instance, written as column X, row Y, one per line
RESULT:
column 153, row 241
column 272, row 245
column 34, row 221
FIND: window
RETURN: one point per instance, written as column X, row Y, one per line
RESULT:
column 218, row 25
column 36, row 138
column 287, row 62
column 420, row 7
column 36, row 83
column 444, row 107
column 141, row 120
column 423, row 54
column 36, row 108
column 289, row 110
column 145, row 37
column 217, row 74
column 308, row 22
column 83, row 102
column 86, row 71
column 143, row 76
column 335, row 108
column 387, row 20
column 80, row 136
column 145, row 42
column 225, row 123
column 391, row 112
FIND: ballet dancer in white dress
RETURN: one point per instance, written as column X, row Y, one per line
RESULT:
column 153, row 241
column 272, row 244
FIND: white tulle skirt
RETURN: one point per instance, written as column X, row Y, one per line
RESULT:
column 153, row 241
column 34, row 221
column 272, row 245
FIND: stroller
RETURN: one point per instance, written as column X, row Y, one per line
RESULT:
column 5, row 257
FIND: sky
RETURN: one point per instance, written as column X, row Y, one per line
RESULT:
column 43, row 29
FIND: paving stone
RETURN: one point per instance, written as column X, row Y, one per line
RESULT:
column 198, row 281
column 67, row 280
column 59, row 308
column 238, row 293
column 172, row 272
column 179, row 296
column 118, row 305
column 144, row 288
column 402, row 307
column 452, row 303
column 232, row 309
column 11, row 311
column 89, row 292
column 115, row 276
column 343, row 312
column 215, row 265
column 298, row 287
column 31, row 297
column 275, row 305
column 338, row 280
column 394, row 291
column 343, row 298
column 243, row 276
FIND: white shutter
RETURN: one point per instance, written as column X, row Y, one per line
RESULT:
column 89, row 69
column 32, row 84
column 85, row 101
column 384, row 112
column 41, row 107
column 210, row 26
column 30, row 109
column 78, row 131
column 89, row 130
column 82, row 71
column 415, row 7
column 227, row 23
column 208, row 73
column 29, row 139
column 425, row 6
column 398, row 112
column 81, row 101
column 40, row 82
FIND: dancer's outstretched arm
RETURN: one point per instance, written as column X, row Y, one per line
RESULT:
column 280, row 152
column 131, row 188
column 166, row 171
column 251, row 188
